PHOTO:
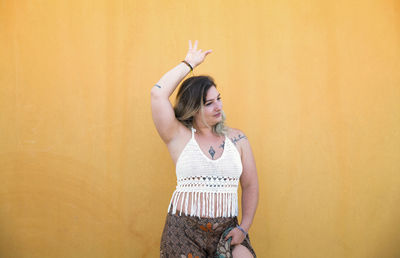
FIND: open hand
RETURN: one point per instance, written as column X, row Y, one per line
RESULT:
column 195, row 57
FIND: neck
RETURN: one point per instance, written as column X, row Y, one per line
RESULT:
column 203, row 129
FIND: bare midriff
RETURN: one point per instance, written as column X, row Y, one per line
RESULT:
column 179, row 203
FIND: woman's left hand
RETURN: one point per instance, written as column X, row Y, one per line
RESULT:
column 237, row 236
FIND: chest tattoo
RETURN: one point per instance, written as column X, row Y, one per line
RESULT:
column 222, row 145
column 212, row 152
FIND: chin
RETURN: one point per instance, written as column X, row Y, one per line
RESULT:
column 214, row 121
column 217, row 121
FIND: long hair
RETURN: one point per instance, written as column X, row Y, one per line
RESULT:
column 190, row 100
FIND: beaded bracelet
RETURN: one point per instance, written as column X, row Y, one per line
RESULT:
column 241, row 229
column 191, row 68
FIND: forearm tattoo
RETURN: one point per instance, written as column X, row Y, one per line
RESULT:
column 158, row 86
column 239, row 137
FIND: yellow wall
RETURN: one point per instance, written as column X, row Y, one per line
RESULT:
column 314, row 85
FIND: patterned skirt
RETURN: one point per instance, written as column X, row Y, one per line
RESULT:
column 193, row 237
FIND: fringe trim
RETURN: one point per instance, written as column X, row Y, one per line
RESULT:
column 227, row 203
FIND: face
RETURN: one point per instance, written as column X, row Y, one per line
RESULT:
column 212, row 109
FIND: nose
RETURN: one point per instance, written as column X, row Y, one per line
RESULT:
column 218, row 107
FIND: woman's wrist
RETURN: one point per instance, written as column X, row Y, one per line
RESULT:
column 242, row 229
column 191, row 66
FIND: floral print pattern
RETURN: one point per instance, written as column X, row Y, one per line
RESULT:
column 193, row 237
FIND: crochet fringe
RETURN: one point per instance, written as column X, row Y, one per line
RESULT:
column 227, row 203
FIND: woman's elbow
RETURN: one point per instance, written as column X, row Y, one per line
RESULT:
column 250, row 185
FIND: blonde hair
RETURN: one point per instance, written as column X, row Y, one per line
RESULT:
column 190, row 100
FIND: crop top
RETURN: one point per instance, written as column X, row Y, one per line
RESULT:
column 215, row 180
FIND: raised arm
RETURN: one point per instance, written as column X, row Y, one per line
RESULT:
column 162, row 111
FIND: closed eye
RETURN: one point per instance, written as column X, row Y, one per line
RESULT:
column 209, row 103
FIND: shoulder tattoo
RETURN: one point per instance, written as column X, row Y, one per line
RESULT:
column 238, row 138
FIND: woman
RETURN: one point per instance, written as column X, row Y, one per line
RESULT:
column 210, row 160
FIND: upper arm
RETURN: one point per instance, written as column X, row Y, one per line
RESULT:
column 249, row 173
column 164, row 116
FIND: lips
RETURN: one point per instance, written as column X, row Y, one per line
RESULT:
column 217, row 115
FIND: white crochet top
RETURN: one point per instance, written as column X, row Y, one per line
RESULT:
column 209, row 187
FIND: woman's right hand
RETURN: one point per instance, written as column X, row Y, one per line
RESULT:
column 195, row 57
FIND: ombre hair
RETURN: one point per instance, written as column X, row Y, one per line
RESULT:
column 190, row 100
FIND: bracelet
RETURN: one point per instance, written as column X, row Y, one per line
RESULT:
column 191, row 68
column 241, row 229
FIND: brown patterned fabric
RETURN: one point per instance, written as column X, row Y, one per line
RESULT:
column 193, row 237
